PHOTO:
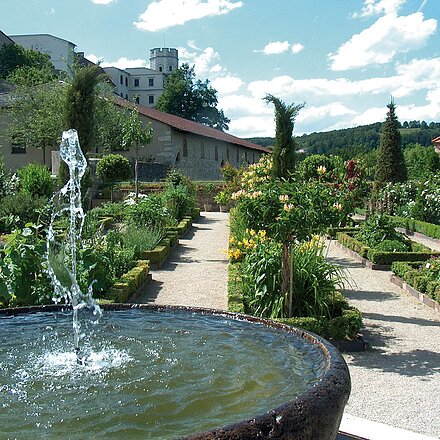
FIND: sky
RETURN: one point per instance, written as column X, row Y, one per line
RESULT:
column 344, row 59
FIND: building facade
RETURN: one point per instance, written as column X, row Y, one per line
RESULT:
column 4, row 39
column 144, row 85
column 61, row 52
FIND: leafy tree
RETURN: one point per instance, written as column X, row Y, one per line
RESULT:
column 421, row 161
column 284, row 149
column 79, row 111
column 113, row 168
column 13, row 56
column 36, row 109
column 192, row 99
column 134, row 133
column 390, row 162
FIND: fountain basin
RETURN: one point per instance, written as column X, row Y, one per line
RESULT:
column 254, row 378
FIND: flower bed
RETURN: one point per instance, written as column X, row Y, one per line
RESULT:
column 382, row 260
column 344, row 324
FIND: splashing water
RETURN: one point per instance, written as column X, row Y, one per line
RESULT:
column 61, row 250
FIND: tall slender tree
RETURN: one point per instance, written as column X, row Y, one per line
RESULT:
column 80, row 105
column 283, row 153
column 390, row 165
column 134, row 133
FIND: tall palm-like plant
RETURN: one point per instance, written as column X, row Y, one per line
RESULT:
column 284, row 149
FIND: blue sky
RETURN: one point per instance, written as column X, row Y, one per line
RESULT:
column 344, row 58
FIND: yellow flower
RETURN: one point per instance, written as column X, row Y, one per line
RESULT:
column 321, row 169
column 288, row 207
column 284, row 198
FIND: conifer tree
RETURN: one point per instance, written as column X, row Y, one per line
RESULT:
column 283, row 152
column 390, row 165
column 80, row 105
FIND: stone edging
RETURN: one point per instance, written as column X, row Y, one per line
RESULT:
column 425, row 299
column 362, row 260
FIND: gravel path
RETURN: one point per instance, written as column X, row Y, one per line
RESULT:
column 397, row 382
column 196, row 271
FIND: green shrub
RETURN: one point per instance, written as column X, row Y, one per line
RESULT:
column 352, row 243
column 412, row 225
column 113, row 168
column 410, row 275
column 387, row 258
column 23, row 276
column 36, row 180
column 179, row 201
column 377, row 229
column 18, row 209
column 400, row 267
column 141, row 239
column 420, row 283
column 149, row 211
column 392, row 246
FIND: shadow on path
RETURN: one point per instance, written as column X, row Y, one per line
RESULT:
column 369, row 295
column 414, row 363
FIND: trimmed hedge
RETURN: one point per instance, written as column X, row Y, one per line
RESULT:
column 158, row 254
column 129, row 282
column 344, row 326
column 412, row 225
column 381, row 257
column 416, row 275
column 333, row 231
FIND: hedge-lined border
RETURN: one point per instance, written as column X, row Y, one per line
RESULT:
column 335, row 329
column 425, row 299
column 379, row 260
column 412, row 226
column 129, row 285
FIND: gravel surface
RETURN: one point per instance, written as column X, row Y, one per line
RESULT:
column 396, row 382
column 196, row 271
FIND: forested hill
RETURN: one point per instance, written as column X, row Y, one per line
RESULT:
column 362, row 138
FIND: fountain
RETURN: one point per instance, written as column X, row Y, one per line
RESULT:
column 159, row 372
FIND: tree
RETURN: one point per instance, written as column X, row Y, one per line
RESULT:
column 134, row 133
column 390, row 162
column 13, row 56
column 421, row 161
column 113, row 168
column 36, row 109
column 283, row 152
column 192, row 99
column 79, row 111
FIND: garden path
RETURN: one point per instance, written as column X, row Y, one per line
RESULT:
column 397, row 381
column 196, row 271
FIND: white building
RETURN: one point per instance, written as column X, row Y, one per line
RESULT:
column 142, row 84
column 61, row 52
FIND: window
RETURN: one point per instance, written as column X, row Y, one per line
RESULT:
column 151, row 99
column 170, row 68
column 151, row 82
column 216, row 152
column 136, row 82
column 122, row 95
column 238, row 156
column 18, row 150
column 121, row 80
column 160, row 68
column 202, row 151
column 185, row 148
column 136, row 99
column 227, row 153
column 126, row 96
column 126, row 81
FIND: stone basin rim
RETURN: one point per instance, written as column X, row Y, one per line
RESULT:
column 333, row 387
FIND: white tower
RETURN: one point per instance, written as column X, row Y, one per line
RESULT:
column 164, row 59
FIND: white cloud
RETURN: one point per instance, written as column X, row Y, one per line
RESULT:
column 162, row 14
column 103, row 2
column 297, row 47
column 375, row 7
column 253, row 126
column 381, row 42
column 204, row 60
column 121, row 63
column 277, row 47
column 51, row 11
column 227, row 84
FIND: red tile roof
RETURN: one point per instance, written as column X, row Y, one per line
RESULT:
column 185, row 125
column 436, row 140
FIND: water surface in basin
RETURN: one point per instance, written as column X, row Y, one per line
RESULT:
column 146, row 374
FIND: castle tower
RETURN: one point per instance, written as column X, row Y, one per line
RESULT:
column 164, row 59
